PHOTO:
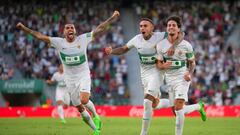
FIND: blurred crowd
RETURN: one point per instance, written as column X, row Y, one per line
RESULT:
column 6, row 71
column 207, row 26
column 35, row 60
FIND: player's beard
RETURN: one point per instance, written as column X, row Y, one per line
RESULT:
column 71, row 37
column 146, row 36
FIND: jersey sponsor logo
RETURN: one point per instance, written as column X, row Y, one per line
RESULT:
column 147, row 58
column 72, row 60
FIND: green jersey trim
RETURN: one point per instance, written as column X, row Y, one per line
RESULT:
column 72, row 60
column 190, row 55
column 176, row 64
column 147, row 58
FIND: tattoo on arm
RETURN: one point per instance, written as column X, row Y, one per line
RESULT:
column 103, row 26
column 191, row 66
column 36, row 34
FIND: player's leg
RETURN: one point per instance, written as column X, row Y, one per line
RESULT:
column 179, row 103
column 181, row 96
column 196, row 107
column 84, row 96
column 89, row 105
column 147, row 113
column 151, row 85
column 96, row 119
column 159, row 103
column 60, row 103
column 78, row 100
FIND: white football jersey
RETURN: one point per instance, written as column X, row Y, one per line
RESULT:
column 73, row 56
column 183, row 52
column 147, row 51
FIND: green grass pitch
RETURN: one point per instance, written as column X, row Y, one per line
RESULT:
column 117, row 126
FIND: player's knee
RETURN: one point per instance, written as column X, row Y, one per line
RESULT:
column 80, row 108
column 84, row 101
column 149, row 97
column 179, row 103
column 65, row 106
column 59, row 102
column 155, row 102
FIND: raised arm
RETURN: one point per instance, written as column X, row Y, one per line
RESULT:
column 36, row 34
column 116, row 51
column 101, row 28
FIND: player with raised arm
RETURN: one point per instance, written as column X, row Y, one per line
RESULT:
column 152, row 79
column 178, row 69
column 62, row 96
column 72, row 51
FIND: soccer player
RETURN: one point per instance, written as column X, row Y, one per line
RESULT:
column 178, row 70
column 145, row 43
column 61, row 91
column 72, row 51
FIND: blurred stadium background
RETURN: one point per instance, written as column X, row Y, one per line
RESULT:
column 212, row 27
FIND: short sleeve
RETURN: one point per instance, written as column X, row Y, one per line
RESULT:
column 87, row 37
column 190, row 52
column 131, row 43
column 56, row 42
column 159, row 51
column 161, row 35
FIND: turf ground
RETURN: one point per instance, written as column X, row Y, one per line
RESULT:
column 117, row 126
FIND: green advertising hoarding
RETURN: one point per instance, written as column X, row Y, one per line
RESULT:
column 21, row 86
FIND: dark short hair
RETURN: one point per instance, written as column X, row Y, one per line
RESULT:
column 175, row 18
column 147, row 19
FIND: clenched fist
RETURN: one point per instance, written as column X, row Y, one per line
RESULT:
column 19, row 25
column 108, row 50
column 187, row 77
column 116, row 13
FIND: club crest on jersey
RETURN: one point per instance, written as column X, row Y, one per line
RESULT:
column 78, row 46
